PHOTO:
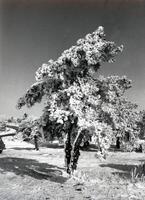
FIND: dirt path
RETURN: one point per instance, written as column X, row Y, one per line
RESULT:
column 26, row 174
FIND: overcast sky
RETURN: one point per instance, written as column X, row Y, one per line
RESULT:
column 32, row 32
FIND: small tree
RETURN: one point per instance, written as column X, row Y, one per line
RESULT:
column 125, row 119
column 142, row 124
column 73, row 96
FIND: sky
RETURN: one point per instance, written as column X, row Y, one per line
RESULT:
column 34, row 31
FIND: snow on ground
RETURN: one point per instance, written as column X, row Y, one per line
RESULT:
column 26, row 174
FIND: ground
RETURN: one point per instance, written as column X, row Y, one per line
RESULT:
column 26, row 174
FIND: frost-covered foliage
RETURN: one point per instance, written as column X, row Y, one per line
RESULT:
column 142, row 124
column 125, row 121
column 26, row 127
column 74, row 99
column 74, row 63
column 128, row 119
column 2, row 125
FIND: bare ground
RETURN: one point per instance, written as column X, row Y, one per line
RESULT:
column 26, row 174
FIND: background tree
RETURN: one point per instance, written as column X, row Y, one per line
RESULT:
column 126, row 120
column 73, row 96
column 142, row 124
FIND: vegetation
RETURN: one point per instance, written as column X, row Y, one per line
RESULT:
column 78, row 103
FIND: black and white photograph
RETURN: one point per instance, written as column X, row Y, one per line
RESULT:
column 72, row 99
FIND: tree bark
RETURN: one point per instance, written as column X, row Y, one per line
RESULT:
column 76, row 150
column 2, row 145
column 36, row 143
column 118, row 143
column 42, row 133
column 67, row 149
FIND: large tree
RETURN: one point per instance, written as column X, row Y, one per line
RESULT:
column 74, row 96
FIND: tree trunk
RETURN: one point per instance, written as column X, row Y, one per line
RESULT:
column 118, row 143
column 42, row 133
column 2, row 145
column 67, row 149
column 76, row 150
column 36, row 143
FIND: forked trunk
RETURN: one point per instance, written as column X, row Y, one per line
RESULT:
column 76, row 150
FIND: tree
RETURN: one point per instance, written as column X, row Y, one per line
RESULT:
column 142, row 124
column 126, row 119
column 73, row 96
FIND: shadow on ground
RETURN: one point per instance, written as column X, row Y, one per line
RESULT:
column 124, row 170
column 22, row 148
column 29, row 167
column 114, row 149
column 90, row 148
column 53, row 146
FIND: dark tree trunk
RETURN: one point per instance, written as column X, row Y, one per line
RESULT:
column 67, row 149
column 128, row 136
column 2, row 145
column 118, row 143
column 76, row 150
column 36, row 143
